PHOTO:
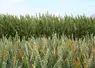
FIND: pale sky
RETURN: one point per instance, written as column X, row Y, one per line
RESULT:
column 62, row 7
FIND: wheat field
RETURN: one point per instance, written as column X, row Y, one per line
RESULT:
column 44, row 52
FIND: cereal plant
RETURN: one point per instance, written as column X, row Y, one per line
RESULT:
column 45, row 52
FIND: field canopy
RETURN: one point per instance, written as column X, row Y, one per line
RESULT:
column 46, row 25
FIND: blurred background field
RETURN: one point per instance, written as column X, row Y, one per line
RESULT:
column 46, row 25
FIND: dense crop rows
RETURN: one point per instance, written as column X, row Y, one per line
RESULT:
column 52, row 42
column 47, row 53
column 46, row 25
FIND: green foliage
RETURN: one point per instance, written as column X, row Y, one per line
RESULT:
column 46, row 25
